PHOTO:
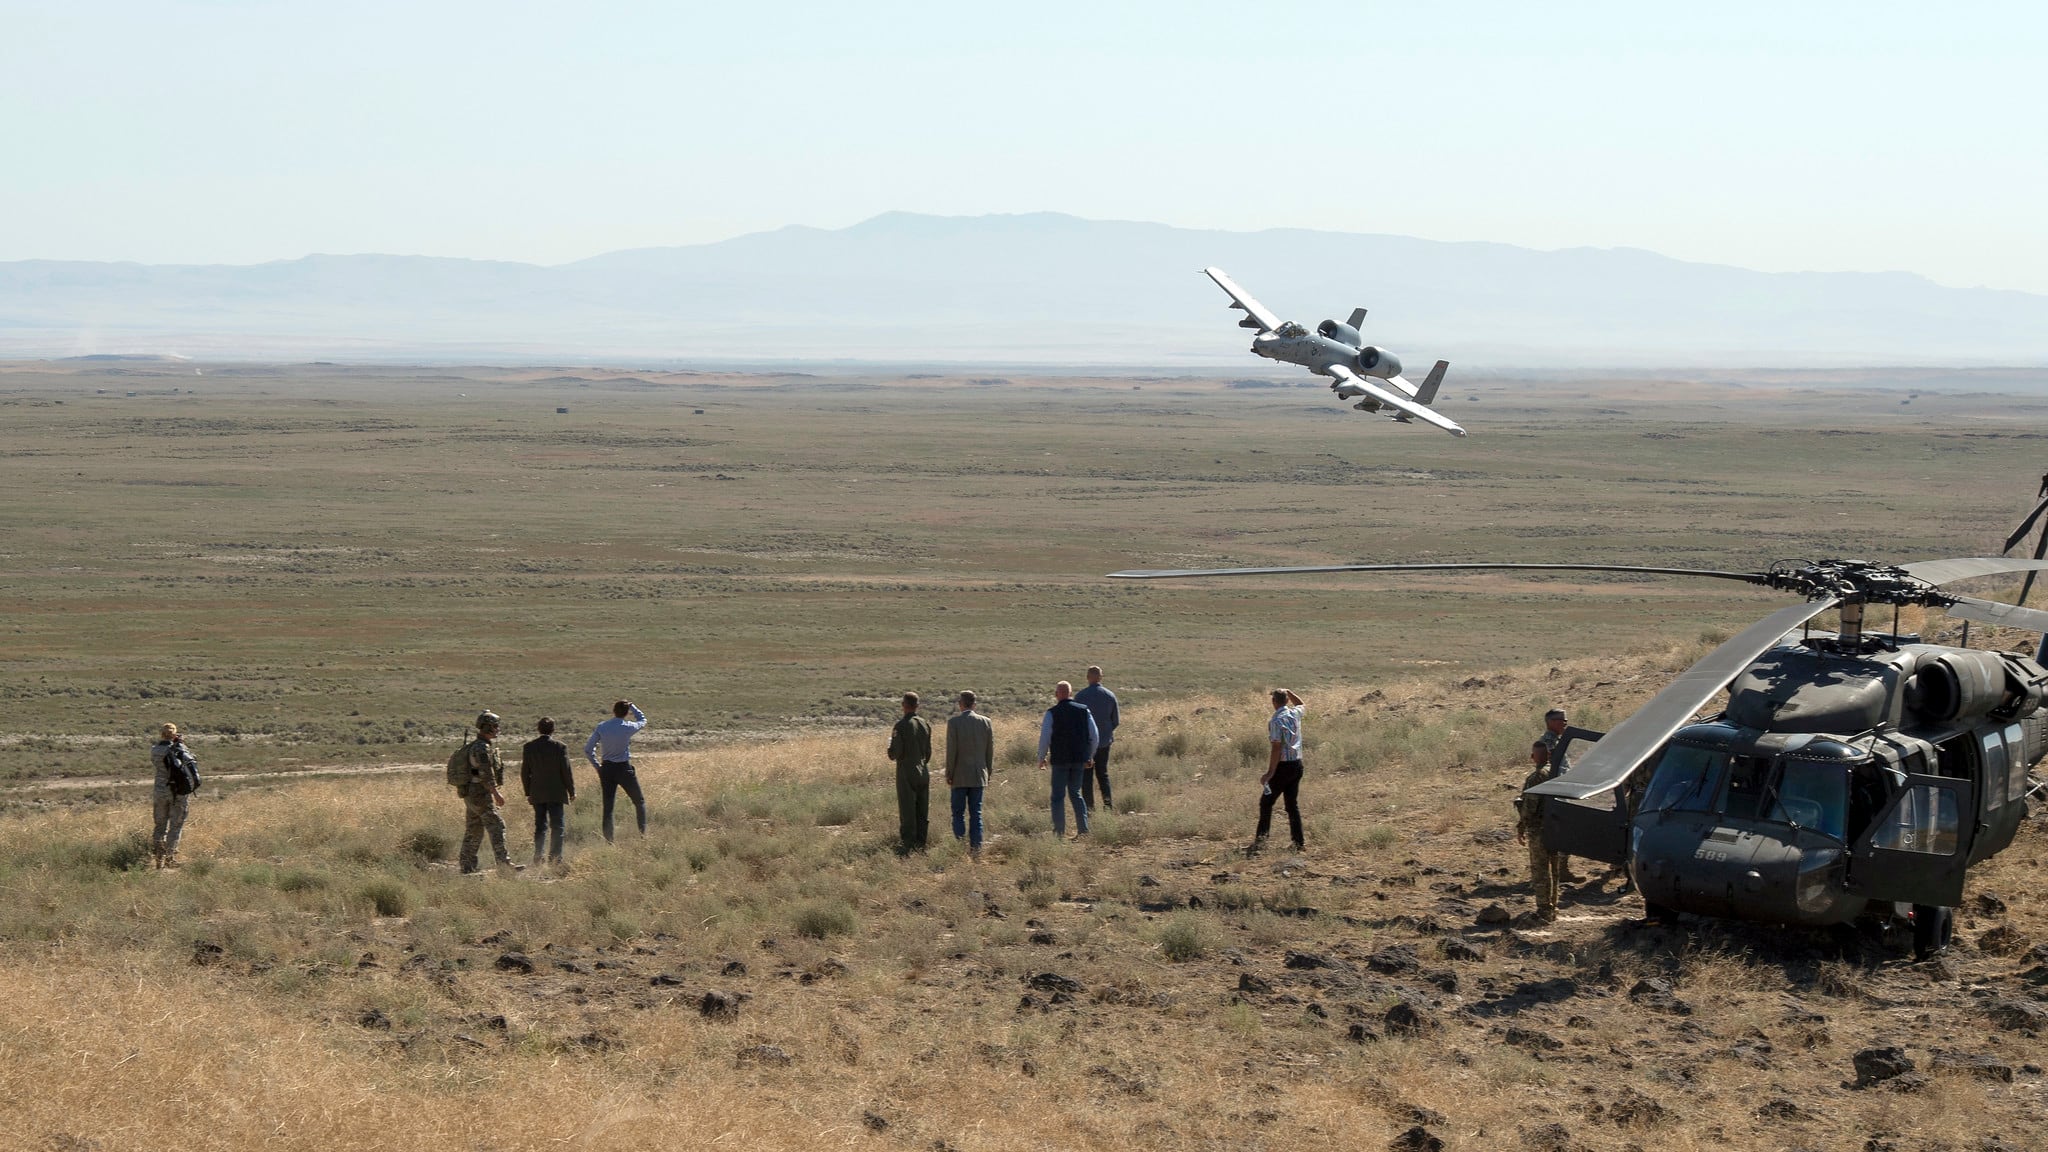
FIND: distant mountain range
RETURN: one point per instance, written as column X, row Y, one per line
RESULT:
column 1041, row 288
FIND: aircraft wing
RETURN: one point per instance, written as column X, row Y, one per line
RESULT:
column 1266, row 321
column 1395, row 400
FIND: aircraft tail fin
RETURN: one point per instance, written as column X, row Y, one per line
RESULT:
column 1358, row 322
column 1430, row 383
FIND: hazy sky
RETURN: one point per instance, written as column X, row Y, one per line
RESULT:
column 1779, row 136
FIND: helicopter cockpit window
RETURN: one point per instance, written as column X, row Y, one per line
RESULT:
column 1813, row 794
column 1926, row 821
column 1684, row 781
column 1743, row 789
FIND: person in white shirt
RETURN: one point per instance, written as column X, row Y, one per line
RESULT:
column 610, row 751
column 1283, row 767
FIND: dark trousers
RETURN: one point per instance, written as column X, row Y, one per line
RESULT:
column 967, row 816
column 913, row 805
column 1098, row 777
column 614, row 775
column 1286, row 785
column 545, row 817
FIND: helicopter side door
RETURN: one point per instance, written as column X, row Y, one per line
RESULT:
column 1597, row 827
column 1917, row 849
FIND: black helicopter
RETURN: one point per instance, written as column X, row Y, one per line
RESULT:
column 1852, row 772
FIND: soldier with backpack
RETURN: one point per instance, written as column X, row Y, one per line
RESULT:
column 177, row 777
column 478, row 775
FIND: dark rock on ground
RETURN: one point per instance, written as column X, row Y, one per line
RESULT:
column 1456, row 949
column 2015, row 1014
column 206, row 952
column 1630, row 1109
column 1532, row 1039
column 1044, row 938
column 1657, row 995
column 515, row 962
column 1054, row 982
column 874, row 1121
column 1988, row 904
column 1394, row 960
column 1360, row 1032
column 1305, row 961
column 733, row 968
column 1965, row 1064
column 1407, row 1018
column 717, row 1005
column 2004, row 940
column 764, row 1055
column 1444, row 979
column 666, row 980
column 374, row 1018
column 1494, row 915
column 1780, row 1109
column 1417, row 1139
column 1246, row 982
column 1550, row 1138
column 1875, row 1065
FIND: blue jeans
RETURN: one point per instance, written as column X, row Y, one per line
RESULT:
column 546, row 816
column 967, row 816
column 614, row 775
column 1067, row 780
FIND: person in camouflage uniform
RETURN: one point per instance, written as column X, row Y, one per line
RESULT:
column 1544, row 865
column 1560, row 759
column 481, row 797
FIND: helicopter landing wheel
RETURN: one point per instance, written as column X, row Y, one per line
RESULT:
column 1933, row 928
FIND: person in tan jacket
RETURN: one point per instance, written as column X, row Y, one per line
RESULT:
column 970, row 761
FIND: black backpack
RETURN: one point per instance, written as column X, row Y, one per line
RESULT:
column 181, row 771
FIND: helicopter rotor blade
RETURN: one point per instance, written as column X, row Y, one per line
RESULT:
column 1636, row 739
column 1964, row 567
column 2020, row 532
column 1171, row 573
column 2002, row 615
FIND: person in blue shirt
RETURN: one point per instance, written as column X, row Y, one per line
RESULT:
column 1066, row 745
column 615, row 765
column 1101, row 704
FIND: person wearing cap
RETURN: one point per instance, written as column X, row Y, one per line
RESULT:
column 1559, row 760
column 167, row 807
column 482, row 797
column 614, row 763
column 550, row 785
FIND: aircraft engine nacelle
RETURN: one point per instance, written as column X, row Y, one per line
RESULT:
column 1341, row 333
column 1378, row 362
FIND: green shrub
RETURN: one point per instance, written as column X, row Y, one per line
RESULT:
column 1251, row 748
column 1183, row 939
column 1020, row 752
column 836, row 810
column 1128, row 802
column 127, row 853
column 426, row 844
column 1175, row 743
column 1379, row 838
column 821, row 918
column 304, row 880
column 1235, row 897
column 387, row 896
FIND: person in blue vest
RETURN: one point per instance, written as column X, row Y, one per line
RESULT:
column 1066, row 745
column 1101, row 704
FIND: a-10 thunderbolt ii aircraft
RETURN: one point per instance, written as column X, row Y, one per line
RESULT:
column 1357, row 371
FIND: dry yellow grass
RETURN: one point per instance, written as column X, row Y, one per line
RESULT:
column 909, row 1032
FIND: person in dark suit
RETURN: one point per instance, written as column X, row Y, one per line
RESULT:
column 550, row 785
